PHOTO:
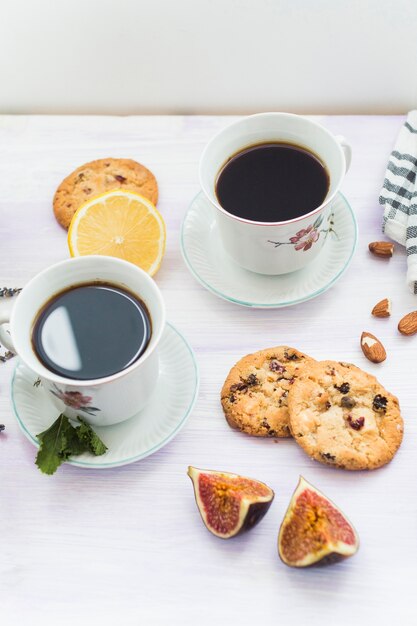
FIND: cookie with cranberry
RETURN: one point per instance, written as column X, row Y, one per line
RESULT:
column 98, row 177
column 342, row 416
column 255, row 393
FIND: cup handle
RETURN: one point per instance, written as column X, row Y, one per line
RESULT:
column 5, row 338
column 347, row 149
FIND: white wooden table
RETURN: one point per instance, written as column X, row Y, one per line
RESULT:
column 127, row 546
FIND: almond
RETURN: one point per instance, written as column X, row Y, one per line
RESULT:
column 382, row 308
column 372, row 348
column 408, row 324
column 381, row 248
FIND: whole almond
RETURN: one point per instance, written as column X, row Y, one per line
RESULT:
column 372, row 348
column 408, row 324
column 382, row 308
column 381, row 248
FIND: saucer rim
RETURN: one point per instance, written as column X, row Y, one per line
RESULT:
column 135, row 458
column 272, row 305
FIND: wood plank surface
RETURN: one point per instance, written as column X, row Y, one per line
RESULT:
column 127, row 546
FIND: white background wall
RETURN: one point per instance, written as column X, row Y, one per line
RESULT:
column 162, row 56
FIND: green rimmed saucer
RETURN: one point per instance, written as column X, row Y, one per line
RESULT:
column 143, row 434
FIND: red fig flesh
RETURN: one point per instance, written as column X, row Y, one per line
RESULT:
column 314, row 531
column 228, row 503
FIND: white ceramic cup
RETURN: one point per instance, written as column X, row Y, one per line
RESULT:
column 102, row 401
column 274, row 247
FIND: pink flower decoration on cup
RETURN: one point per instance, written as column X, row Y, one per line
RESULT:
column 304, row 239
column 75, row 400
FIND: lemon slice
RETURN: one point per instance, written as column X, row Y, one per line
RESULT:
column 119, row 223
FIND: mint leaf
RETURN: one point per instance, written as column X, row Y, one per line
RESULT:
column 55, row 445
column 74, row 445
column 61, row 441
column 90, row 439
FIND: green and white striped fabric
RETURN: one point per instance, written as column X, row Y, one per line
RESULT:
column 399, row 195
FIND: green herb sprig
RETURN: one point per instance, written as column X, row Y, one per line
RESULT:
column 62, row 440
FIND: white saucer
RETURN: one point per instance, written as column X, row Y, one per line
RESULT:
column 141, row 435
column 216, row 271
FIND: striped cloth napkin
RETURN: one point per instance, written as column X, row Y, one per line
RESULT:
column 399, row 195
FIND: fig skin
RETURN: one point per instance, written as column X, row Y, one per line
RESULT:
column 252, row 507
column 327, row 550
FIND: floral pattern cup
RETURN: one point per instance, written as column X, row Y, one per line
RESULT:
column 274, row 247
column 103, row 401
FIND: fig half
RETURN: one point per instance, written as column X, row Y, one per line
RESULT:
column 229, row 504
column 314, row 531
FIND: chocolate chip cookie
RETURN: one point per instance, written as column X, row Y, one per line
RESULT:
column 98, row 177
column 255, row 393
column 342, row 416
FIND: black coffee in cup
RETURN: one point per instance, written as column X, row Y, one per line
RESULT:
column 272, row 182
column 91, row 331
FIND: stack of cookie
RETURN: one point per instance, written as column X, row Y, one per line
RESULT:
column 338, row 414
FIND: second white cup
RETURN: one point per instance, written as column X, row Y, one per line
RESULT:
column 259, row 246
column 106, row 400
